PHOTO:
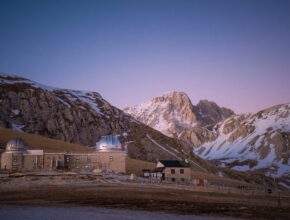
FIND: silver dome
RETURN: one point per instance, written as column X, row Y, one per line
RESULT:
column 109, row 143
column 16, row 144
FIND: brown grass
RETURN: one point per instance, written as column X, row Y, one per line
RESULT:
column 39, row 142
column 152, row 198
column 136, row 166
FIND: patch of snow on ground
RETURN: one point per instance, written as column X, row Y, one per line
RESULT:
column 16, row 127
column 241, row 168
column 283, row 169
column 15, row 111
column 124, row 134
column 63, row 102
column 284, row 185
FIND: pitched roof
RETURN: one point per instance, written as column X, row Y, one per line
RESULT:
column 174, row 163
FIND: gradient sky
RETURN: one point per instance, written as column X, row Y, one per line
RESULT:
column 236, row 53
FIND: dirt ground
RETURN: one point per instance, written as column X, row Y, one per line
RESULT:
column 112, row 192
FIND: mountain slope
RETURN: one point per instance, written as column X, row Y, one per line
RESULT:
column 81, row 117
column 173, row 113
column 247, row 142
column 252, row 142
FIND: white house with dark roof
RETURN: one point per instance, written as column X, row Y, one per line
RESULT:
column 171, row 171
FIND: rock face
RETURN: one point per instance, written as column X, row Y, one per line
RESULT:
column 174, row 115
column 80, row 117
column 252, row 142
column 210, row 113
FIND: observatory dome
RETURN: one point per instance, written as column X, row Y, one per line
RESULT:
column 109, row 143
column 16, row 144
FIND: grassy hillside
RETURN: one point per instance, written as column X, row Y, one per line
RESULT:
column 39, row 142
column 136, row 166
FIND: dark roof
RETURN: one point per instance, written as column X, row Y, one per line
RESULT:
column 174, row 163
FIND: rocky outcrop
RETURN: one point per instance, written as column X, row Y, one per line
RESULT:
column 169, row 113
column 210, row 113
column 175, row 116
column 197, row 135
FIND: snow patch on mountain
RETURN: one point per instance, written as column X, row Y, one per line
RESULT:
column 75, row 96
column 262, row 138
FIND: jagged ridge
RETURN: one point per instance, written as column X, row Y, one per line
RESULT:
column 173, row 114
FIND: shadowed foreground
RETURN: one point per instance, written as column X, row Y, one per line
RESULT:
column 143, row 196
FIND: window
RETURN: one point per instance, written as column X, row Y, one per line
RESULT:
column 173, row 179
column 182, row 179
column 14, row 159
column 181, row 171
column 172, row 171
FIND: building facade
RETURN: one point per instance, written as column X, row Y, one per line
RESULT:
column 109, row 157
column 17, row 156
column 170, row 171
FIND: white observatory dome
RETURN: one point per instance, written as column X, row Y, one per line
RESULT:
column 16, row 144
column 109, row 143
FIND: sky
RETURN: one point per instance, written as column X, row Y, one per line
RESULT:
column 236, row 53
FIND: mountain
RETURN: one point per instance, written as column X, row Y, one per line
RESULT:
column 81, row 117
column 247, row 142
column 258, row 141
column 174, row 115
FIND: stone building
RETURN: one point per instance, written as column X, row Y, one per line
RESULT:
column 109, row 156
column 54, row 161
column 18, row 157
column 170, row 171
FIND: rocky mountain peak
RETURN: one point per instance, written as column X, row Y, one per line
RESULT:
column 174, row 112
column 179, row 100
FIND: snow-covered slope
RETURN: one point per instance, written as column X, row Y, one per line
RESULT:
column 242, row 142
column 167, row 113
column 173, row 112
column 252, row 142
